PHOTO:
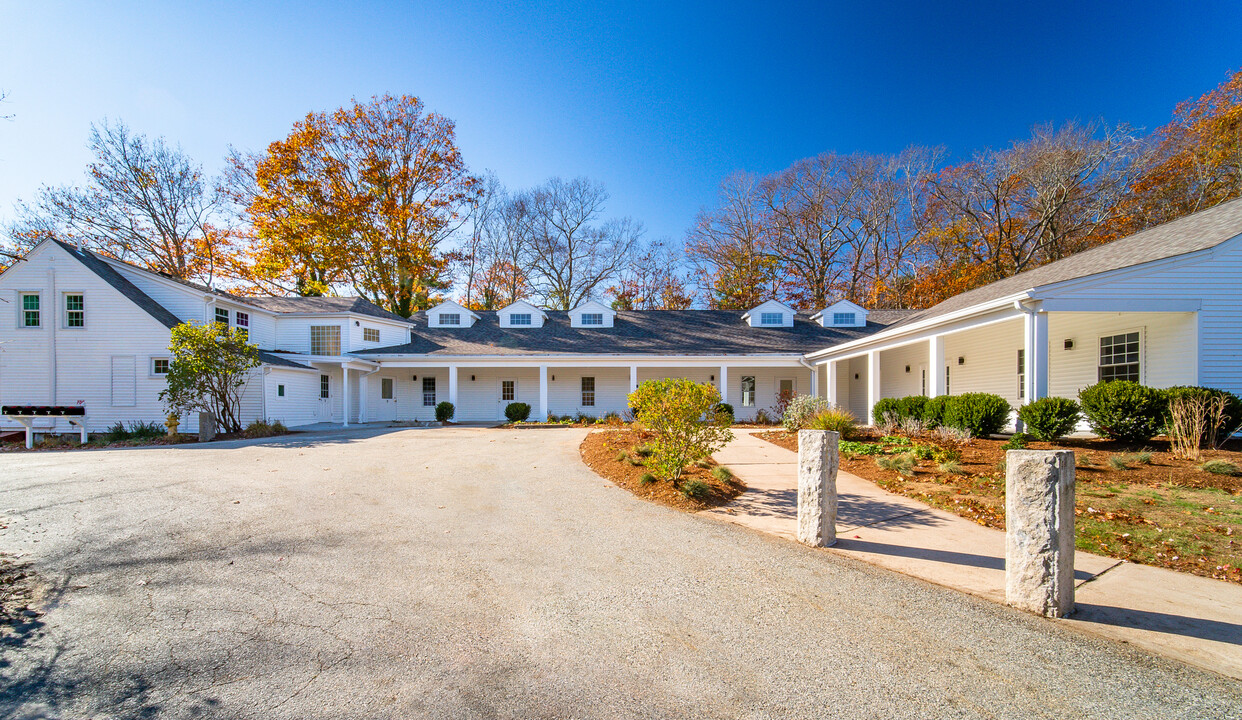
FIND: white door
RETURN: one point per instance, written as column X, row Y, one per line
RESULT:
column 387, row 408
column 508, row 394
column 323, row 412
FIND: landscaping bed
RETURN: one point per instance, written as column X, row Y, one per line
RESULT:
column 1140, row 504
column 603, row 450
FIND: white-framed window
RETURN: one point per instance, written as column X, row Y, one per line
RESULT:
column 429, row 391
column 386, row 389
column 588, row 392
column 748, row 391
column 370, row 335
column 1120, row 357
column 222, row 315
column 592, row 318
column 947, row 368
column 520, row 319
column 160, row 365
column 1021, row 374
column 325, row 339
column 325, row 387
column 771, row 318
column 280, row 391
column 32, row 312
column 242, row 321
column 75, row 310
column 450, row 318
column 843, row 318
column 508, row 390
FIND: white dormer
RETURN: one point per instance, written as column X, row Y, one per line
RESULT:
column 521, row 314
column 842, row 313
column 770, row 314
column 592, row 314
column 449, row 314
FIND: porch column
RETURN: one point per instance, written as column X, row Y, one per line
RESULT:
column 873, row 383
column 453, row 385
column 830, row 381
column 1035, row 355
column 633, row 378
column 543, row 393
column 935, row 366
column 815, row 380
column 345, row 394
column 724, row 383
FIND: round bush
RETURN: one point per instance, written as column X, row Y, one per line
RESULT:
column 981, row 413
column 724, row 413
column 517, row 411
column 934, row 411
column 911, row 406
column 801, row 409
column 445, row 411
column 1049, row 418
column 885, row 407
column 1124, row 410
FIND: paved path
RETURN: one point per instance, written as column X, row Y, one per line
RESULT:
column 1189, row 618
column 472, row 573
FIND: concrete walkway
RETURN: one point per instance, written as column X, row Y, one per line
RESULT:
column 1186, row 617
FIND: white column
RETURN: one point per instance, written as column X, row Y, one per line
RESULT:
column 543, row 393
column 633, row 378
column 1035, row 355
column 873, row 383
column 830, row 381
column 815, row 380
column 362, row 396
column 345, row 394
column 935, row 366
column 724, row 383
column 453, row 385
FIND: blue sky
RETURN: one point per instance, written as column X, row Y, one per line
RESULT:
column 657, row 100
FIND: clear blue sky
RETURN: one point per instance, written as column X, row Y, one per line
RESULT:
column 659, row 101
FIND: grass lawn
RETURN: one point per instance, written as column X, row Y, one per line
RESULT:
column 1138, row 504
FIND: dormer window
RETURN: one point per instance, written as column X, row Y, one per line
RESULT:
column 843, row 318
column 771, row 318
column 520, row 319
column 592, row 318
column 842, row 314
column 451, row 314
column 450, row 318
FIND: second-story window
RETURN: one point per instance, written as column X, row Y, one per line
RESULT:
column 771, row 318
column 75, row 310
column 450, row 318
column 519, row 319
column 325, row 339
column 222, row 315
column 592, row 318
column 30, row 310
column 370, row 334
column 242, row 321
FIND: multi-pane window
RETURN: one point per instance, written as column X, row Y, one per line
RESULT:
column 325, row 387
column 242, row 321
column 1021, row 374
column 519, row 319
column 748, row 391
column 429, row 392
column 588, row 392
column 159, row 366
column 1119, row 357
column 325, row 339
column 450, row 318
column 843, row 318
column 30, row 310
column 592, row 318
column 370, row 334
column 507, row 388
column 222, row 315
column 75, row 310
column 773, row 318
column 386, row 390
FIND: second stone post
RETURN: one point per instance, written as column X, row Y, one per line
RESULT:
column 1039, row 531
column 817, row 487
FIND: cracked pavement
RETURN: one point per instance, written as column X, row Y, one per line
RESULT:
column 467, row 572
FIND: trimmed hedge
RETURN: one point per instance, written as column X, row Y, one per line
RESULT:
column 934, row 411
column 902, row 408
column 517, row 411
column 1049, row 418
column 981, row 413
column 445, row 411
column 1124, row 410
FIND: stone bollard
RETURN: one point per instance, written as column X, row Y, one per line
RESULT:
column 1039, row 531
column 817, row 487
column 206, row 426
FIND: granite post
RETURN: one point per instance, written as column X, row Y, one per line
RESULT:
column 817, row 487
column 1039, row 531
column 206, row 426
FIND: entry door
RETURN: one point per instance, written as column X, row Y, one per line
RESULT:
column 388, row 400
column 508, row 394
column 786, row 387
column 323, row 413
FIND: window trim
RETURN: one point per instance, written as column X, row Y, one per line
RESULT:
column 753, row 388
column 151, row 372
column 366, row 331
column 441, row 322
column 844, row 318
column 228, row 316
column 1142, row 355
column 597, row 319
column 528, row 319
column 64, row 306
column 429, row 396
column 21, row 309
column 338, row 340
column 280, row 390
column 766, row 319
column 512, row 390
column 325, row 387
column 587, row 396
column 388, row 385
column 1021, row 374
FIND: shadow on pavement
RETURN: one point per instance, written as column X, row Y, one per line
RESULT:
column 1159, row 622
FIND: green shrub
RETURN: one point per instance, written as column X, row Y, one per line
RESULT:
column 259, row 429
column 1050, row 418
column 924, row 452
column 517, row 411
column 902, row 464
column 885, row 407
column 673, row 409
column 982, row 414
column 800, row 410
column 644, row 450
column 146, row 430
column 838, row 420
column 849, row 447
column 278, row 428
column 722, row 473
column 724, row 413
column 696, row 489
column 1220, row 467
column 117, row 432
column 1124, row 410
column 646, row 479
column 445, row 411
column 934, row 410
column 1016, row 442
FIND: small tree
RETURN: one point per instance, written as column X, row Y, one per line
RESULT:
column 208, row 372
column 682, row 415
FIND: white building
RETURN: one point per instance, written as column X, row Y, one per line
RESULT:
column 1163, row 307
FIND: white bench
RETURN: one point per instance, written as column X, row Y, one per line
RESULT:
column 25, row 415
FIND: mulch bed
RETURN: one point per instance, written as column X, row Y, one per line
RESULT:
column 1165, row 512
column 601, row 448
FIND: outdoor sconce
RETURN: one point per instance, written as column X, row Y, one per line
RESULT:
column 907, row 369
column 356, row 323
column 471, row 378
column 1069, row 343
column 855, row 376
column 553, row 378
column 413, row 378
column 961, row 360
column 712, row 377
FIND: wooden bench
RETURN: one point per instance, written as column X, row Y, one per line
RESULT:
column 26, row 415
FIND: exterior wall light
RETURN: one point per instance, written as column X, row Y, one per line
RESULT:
column 961, row 360
column 1069, row 343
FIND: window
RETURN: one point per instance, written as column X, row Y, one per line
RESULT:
column 30, row 310
column 843, row 318
column 450, row 318
column 947, row 368
column 325, row 387
column 429, row 392
column 242, row 321
column 748, row 391
column 1021, row 374
column 386, row 389
column 592, row 318
column 325, row 340
column 771, row 318
column 370, row 334
column 588, row 392
column 159, row 366
column 519, row 319
column 222, row 315
column 75, row 310
column 507, row 390
column 280, row 391
column 1119, row 357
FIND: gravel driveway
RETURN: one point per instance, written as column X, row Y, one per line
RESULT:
column 487, row 573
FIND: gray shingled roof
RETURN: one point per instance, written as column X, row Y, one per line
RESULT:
column 640, row 332
column 358, row 305
column 1200, row 231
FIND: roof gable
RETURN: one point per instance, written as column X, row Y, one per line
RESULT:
column 131, row 291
